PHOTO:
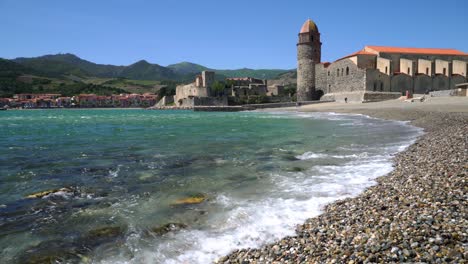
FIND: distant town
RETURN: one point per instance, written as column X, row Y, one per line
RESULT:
column 30, row 101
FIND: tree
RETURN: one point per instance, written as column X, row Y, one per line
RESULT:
column 218, row 88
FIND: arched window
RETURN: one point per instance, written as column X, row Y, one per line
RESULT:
column 408, row 70
column 328, row 73
column 329, row 88
column 445, row 71
column 386, row 70
column 342, row 71
column 381, row 86
column 347, row 70
column 311, row 38
column 375, row 87
column 337, row 72
column 427, row 71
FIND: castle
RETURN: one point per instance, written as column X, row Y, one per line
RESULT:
column 375, row 72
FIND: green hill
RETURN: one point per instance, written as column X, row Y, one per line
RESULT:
column 67, row 73
column 185, row 68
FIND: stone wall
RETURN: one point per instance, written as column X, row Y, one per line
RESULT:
column 422, row 84
column 343, row 76
column 203, row 101
column 184, row 91
column 395, row 59
column 165, row 101
column 208, row 78
column 379, row 96
column 442, row 67
column 406, row 66
column 377, row 81
column 424, row 67
column 459, row 67
column 401, row 83
column 321, row 78
column 383, row 65
column 440, row 82
column 305, row 72
column 456, row 79
column 366, row 61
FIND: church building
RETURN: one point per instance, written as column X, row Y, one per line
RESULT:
column 374, row 73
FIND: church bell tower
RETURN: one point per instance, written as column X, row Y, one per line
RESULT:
column 308, row 54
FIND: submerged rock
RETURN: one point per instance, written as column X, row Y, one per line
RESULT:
column 54, row 251
column 164, row 229
column 49, row 192
column 196, row 199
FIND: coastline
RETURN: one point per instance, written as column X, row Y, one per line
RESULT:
column 416, row 213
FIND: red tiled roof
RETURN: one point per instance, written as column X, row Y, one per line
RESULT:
column 385, row 49
column 308, row 26
column 361, row 52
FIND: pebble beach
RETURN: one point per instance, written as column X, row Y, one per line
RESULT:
column 417, row 213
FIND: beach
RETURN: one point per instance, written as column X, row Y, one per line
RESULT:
column 416, row 213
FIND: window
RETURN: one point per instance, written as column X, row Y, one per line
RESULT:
column 347, row 70
column 328, row 73
column 444, row 71
column 386, row 69
column 311, row 38
column 381, row 86
column 342, row 71
column 329, row 88
column 375, row 87
column 427, row 71
column 337, row 72
column 408, row 71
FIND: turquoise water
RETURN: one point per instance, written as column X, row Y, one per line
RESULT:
column 123, row 172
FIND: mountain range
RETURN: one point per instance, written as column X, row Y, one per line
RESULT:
column 61, row 65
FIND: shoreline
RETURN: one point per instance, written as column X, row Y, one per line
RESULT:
column 416, row 213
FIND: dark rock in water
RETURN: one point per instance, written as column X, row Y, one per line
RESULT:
column 194, row 199
column 104, row 234
column 54, row 251
column 296, row 169
column 289, row 157
column 171, row 227
column 42, row 194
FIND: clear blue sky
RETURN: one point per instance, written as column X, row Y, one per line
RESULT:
column 222, row 34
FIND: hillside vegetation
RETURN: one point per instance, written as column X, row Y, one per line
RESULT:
column 68, row 74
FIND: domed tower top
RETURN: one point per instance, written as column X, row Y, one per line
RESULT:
column 309, row 26
column 310, row 36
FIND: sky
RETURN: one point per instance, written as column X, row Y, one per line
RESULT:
column 221, row 34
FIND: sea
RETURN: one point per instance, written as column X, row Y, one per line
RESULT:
column 141, row 186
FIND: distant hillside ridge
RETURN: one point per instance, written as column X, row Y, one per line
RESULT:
column 60, row 65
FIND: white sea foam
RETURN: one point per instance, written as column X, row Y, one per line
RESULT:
column 244, row 223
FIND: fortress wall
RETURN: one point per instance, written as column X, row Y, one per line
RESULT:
column 184, row 91
column 338, row 82
column 401, row 83
column 440, row 82
column 456, row 79
column 377, row 81
column 422, row 84
column 321, row 78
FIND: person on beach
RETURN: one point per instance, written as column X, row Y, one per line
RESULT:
column 346, row 100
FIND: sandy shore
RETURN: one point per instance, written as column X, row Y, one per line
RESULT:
column 417, row 213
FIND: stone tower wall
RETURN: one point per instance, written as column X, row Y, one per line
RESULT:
column 305, row 72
